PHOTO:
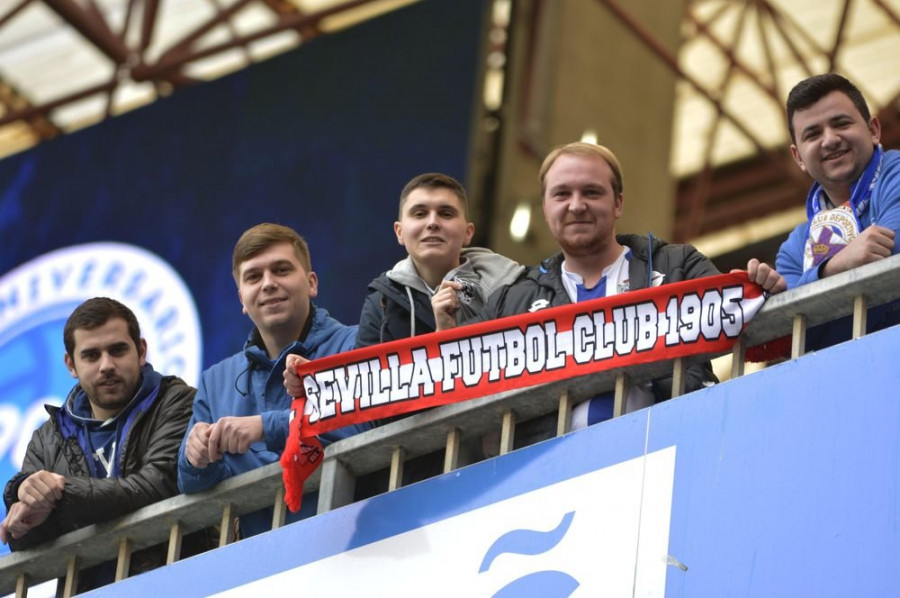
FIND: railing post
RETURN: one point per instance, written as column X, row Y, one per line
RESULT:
column 507, row 432
column 620, row 397
column 678, row 377
column 279, row 509
column 564, row 416
column 174, row 551
column 226, row 525
column 21, row 586
column 70, row 586
column 123, row 562
column 860, row 314
column 451, row 451
column 395, row 479
column 738, row 355
column 798, row 337
column 336, row 485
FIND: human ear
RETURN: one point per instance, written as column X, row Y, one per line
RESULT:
column 70, row 365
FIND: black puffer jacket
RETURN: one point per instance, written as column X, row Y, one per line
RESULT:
column 147, row 474
column 542, row 287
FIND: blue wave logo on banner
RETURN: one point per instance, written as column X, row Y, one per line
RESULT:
column 541, row 584
column 37, row 297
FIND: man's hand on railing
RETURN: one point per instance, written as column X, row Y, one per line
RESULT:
column 292, row 383
column 765, row 276
column 234, row 435
column 873, row 244
column 196, row 449
column 42, row 489
column 21, row 519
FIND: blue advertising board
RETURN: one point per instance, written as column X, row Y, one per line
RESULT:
column 780, row 483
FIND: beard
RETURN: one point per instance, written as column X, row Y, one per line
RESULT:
column 115, row 398
column 581, row 245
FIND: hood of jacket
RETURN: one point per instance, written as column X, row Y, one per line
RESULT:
column 487, row 270
column 322, row 336
column 75, row 418
column 77, row 408
column 482, row 266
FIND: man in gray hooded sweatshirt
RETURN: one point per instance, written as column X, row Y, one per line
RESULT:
column 434, row 227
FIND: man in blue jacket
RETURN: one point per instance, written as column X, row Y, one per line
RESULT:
column 853, row 207
column 241, row 411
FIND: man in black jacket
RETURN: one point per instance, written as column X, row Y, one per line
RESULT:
column 110, row 449
column 583, row 196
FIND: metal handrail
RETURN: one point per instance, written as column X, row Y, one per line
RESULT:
column 436, row 429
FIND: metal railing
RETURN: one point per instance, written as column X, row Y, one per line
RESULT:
column 443, row 428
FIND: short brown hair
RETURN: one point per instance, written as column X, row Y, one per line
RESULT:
column 96, row 312
column 436, row 180
column 262, row 236
column 580, row 148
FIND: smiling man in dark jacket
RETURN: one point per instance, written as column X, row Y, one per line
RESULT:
column 583, row 197
column 110, row 449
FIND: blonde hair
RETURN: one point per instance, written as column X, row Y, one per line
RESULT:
column 580, row 148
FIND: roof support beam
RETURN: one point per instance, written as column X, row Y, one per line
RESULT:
column 91, row 24
column 179, row 55
column 671, row 61
column 888, row 11
column 43, row 109
column 838, row 37
column 148, row 23
column 182, row 47
column 15, row 10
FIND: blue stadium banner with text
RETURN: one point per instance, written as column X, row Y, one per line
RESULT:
column 677, row 320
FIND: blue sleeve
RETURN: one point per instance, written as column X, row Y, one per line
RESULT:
column 884, row 210
column 195, row 479
column 885, row 206
column 275, row 429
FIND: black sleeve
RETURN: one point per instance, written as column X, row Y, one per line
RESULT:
column 88, row 500
column 36, row 459
column 371, row 322
column 697, row 265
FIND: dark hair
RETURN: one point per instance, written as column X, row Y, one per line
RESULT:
column 96, row 312
column 436, row 180
column 811, row 90
column 262, row 236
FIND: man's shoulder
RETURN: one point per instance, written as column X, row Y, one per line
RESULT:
column 329, row 335
column 890, row 170
column 675, row 261
column 383, row 286
column 544, row 273
column 536, row 288
column 237, row 361
column 177, row 389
